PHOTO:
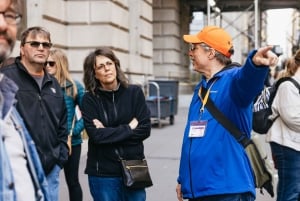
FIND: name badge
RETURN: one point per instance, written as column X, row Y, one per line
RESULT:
column 197, row 128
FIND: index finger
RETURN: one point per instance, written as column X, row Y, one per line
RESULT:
column 265, row 49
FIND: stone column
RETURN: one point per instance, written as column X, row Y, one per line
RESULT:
column 168, row 47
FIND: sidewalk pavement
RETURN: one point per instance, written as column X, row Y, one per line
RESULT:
column 162, row 151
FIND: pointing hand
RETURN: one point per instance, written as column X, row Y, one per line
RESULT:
column 264, row 56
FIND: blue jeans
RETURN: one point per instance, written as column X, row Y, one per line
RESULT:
column 227, row 197
column 113, row 189
column 287, row 162
column 53, row 183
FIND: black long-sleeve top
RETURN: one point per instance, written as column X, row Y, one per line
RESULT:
column 115, row 109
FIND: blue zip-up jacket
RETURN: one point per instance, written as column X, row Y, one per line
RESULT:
column 7, row 190
column 216, row 163
column 70, row 105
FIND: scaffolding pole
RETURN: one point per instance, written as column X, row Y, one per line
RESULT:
column 256, row 23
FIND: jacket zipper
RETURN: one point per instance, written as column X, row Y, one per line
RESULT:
column 115, row 109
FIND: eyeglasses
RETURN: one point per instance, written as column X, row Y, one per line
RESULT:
column 101, row 67
column 51, row 63
column 193, row 46
column 37, row 44
column 11, row 17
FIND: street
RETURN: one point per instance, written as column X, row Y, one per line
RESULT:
column 162, row 151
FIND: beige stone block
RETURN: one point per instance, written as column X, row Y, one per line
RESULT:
column 146, row 47
column 168, row 71
column 157, row 57
column 171, row 56
column 147, row 64
column 157, row 28
column 171, row 28
column 124, row 59
column 98, row 35
column 76, row 58
column 55, row 9
column 149, row 1
column 124, row 3
column 57, row 31
column 165, row 15
column 146, row 11
column 167, row 42
column 171, row 4
column 157, row 4
column 158, row 43
column 138, row 65
column 109, row 12
column 82, row 13
column 146, row 29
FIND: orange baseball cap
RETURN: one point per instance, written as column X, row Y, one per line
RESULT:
column 213, row 36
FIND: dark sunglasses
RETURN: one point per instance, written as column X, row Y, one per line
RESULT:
column 37, row 44
column 51, row 63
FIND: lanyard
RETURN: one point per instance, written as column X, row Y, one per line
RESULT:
column 204, row 101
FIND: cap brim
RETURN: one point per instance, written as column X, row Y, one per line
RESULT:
column 191, row 39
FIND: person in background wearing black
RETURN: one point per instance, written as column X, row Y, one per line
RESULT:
column 57, row 65
column 116, row 118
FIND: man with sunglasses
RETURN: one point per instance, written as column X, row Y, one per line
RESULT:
column 213, row 164
column 40, row 102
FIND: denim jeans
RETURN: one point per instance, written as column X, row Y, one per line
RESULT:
column 227, row 197
column 113, row 189
column 53, row 183
column 287, row 162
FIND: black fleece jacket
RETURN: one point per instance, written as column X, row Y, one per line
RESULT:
column 115, row 109
column 44, row 113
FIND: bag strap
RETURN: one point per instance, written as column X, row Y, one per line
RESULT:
column 118, row 154
column 73, row 123
column 281, row 80
column 297, row 85
column 224, row 121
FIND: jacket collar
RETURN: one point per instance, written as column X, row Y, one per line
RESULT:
column 8, row 90
column 114, row 90
column 47, row 76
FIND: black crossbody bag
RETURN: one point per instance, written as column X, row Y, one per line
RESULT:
column 135, row 173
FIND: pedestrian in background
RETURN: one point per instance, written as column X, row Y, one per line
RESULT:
column 21, row 174
column 116, row 118
column 57, row 65
column 41, row 104
column 213, row 164
column 284, row 134
column 288, row 69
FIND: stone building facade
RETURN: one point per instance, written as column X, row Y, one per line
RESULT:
column 145, row 34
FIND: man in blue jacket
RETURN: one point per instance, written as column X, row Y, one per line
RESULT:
column 213, row 165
